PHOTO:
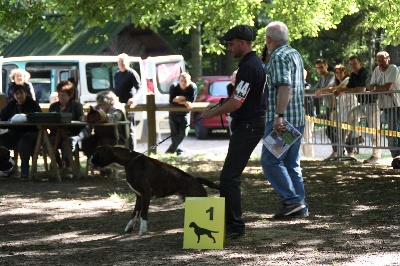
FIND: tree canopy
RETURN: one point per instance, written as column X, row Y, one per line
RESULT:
column 346, row 26
column 303, row 17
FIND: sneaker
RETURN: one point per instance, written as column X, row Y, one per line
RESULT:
column 303, row 213
column 233, row 235
column 179, row 152
column 372, row 160
column 289, row 211
column 169, row 151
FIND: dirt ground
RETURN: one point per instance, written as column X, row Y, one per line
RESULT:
column 354, row 220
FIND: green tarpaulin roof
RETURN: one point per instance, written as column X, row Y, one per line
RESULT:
column 113, row 38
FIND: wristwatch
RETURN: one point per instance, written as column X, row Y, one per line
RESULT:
column 278, row 115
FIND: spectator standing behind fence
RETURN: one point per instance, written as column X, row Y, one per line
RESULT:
column 19, row 76
column 341, row 106
column 285, row 101
column 326, row 79
column 368, row 108
column 386, row 77
column 247, row 107
column 128, row 89
column 229, row 89
column 23, row 139
column 182, row 93
column 308, row 150
column 66, row 104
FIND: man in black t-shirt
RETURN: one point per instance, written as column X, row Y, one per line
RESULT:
column 247, row 107
column 368, row 108
column 128, row 89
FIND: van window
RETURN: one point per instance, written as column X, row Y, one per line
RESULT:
column 41, row 82
column 100, row 76
column 46, row 75
column 167, row 73
column 218, row 88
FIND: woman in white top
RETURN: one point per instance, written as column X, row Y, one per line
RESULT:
column 341, row 106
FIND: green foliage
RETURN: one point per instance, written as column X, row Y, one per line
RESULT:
column 307, row 18
column 332, row 29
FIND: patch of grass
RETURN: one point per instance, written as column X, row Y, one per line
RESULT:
column 126, row 197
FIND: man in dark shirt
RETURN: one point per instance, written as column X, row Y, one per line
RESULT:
column 184, row 93
column 128, row 89
column 247, row 107
column 368, row 108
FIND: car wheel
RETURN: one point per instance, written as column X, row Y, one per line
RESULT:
column 200, row 131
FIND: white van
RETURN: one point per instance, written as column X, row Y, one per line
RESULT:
column 94, row 73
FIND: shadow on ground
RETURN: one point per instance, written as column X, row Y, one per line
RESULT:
column 355, row 220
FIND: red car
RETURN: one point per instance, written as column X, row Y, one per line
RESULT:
column 210, row 89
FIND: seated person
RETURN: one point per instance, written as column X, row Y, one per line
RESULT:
column 108, row 102
column 19, row 76
column 66, row 104
column 23, row 138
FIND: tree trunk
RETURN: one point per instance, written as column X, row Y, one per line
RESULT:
column 228, row 64
column 394, row 52
column 197, row 55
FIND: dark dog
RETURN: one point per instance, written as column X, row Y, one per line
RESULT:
column 6, row 162
column 202, row 231
column 148, row 177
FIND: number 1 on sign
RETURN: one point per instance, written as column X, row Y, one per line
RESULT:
column 211, row 211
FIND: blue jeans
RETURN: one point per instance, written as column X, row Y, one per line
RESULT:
column 284, row 173
column 246, row 134
column 392, row 117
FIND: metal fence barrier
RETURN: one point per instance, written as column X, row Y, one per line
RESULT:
column 352, row 121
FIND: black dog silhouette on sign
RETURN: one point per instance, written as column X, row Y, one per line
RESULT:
column 202, row 231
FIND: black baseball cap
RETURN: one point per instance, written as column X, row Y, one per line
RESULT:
column 243, row 32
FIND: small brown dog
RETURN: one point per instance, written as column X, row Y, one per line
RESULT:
column 148, row 178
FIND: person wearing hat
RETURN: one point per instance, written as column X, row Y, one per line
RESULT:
column 23, row 139
column 286, row 102
column 247, row 107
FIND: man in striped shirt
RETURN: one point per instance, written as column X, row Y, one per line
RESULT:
column 286, row 102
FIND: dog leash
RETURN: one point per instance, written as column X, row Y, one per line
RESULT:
column 220, row 103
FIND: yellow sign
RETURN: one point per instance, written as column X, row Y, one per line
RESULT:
column 204, row 226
